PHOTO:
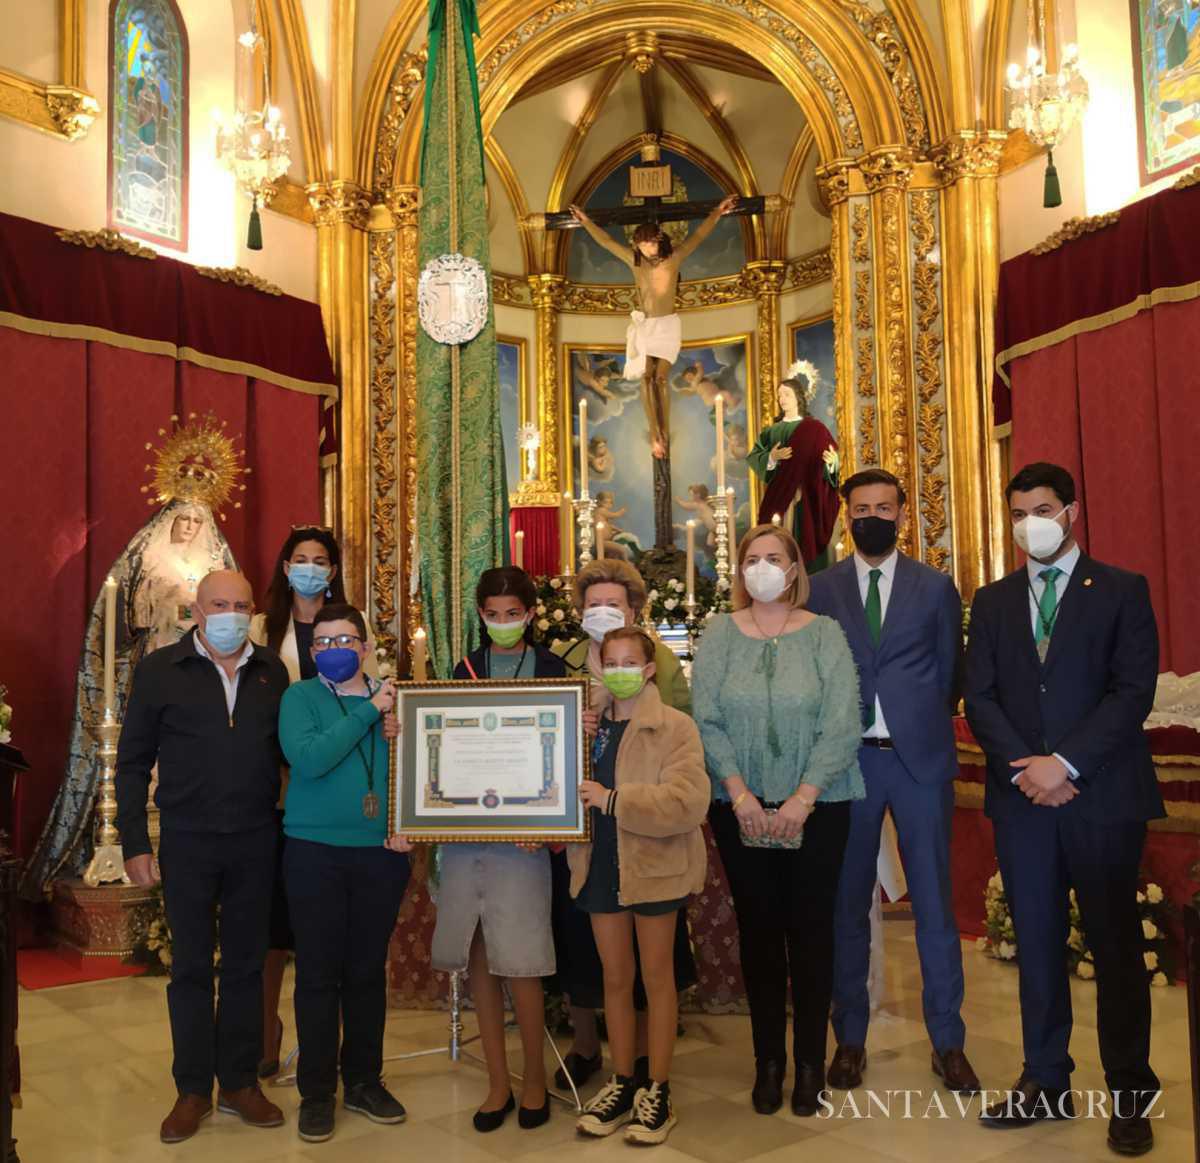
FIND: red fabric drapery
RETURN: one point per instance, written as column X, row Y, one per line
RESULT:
column 541, row 528
column 97, row 352
column 1149, row 255
column 1118, row 408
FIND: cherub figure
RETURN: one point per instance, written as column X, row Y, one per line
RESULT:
column 695, row 381
column 701, row 505
column 601, row 462
column 606, row 512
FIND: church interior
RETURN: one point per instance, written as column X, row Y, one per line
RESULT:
column 366, row 274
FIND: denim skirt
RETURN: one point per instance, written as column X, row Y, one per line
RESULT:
column 506, row 891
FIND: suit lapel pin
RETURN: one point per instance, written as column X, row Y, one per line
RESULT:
column 1087, row 581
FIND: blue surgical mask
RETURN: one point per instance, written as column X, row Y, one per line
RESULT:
column 337, row 664
column 227, row 632
column 307, row 579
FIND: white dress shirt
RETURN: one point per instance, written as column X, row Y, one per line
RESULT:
column 1037, row 587
column 887, row 571
column 230, row 684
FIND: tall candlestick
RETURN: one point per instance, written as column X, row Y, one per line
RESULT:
column 583, row 450
column 720, row 443
column 568, row 535
column 420, row 668
column 110, row 645
column 732, row 511
column 691, row 561
column 519, row 549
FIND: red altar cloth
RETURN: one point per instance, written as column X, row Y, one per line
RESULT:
column 540, row 525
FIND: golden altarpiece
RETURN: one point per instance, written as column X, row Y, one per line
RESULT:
column 905, row 171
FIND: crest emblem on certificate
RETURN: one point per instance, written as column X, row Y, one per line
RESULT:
column 452, row 298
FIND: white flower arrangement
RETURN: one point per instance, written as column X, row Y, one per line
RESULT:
column 1000, row 940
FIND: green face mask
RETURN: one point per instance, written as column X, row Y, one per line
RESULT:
column 623, row 682
column 505, row 634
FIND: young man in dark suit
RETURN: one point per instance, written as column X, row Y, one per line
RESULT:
column 1062, row 665
column 903, row 621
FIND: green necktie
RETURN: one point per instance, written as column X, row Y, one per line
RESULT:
column 874, row 607
column 1047, row 608
column 874, row 612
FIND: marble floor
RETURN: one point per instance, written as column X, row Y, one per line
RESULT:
column 96, row 1064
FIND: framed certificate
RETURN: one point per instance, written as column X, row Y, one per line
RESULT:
column 490, row 761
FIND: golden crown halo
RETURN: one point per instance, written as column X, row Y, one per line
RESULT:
column 196, row 462
column 809, row 370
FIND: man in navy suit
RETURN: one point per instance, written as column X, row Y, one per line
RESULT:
column 904, row 624
column 1062, row 665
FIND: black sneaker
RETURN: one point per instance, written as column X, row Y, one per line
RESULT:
column 610, row 1108
column 316, row 1119
column 373, row 1100
column 653, row 1115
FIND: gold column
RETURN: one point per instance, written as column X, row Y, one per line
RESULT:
column 969, row 164
column 887, row 173
column 404, row 202
column 72, row 42
column 554, row 456
column 765, row 278
column 341, row 210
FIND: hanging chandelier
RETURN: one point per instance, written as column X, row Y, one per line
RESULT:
column 254, row 147
column 1046, row 105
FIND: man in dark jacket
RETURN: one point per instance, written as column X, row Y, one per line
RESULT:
column 206, row 710
column 1062, row 665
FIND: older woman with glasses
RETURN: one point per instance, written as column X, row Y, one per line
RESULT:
column 345, row 879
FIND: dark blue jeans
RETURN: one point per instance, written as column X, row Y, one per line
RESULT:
column 343, row 903
column 201, row 871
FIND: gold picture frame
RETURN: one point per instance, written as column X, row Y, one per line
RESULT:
column 518, row 753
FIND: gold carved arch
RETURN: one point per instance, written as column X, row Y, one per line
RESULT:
column 622, row 153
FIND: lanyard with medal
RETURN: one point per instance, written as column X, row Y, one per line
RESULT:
column 370, row 804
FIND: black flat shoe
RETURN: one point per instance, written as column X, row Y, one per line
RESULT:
column 529, row 1119
column 486, row 1121
column 581, row 1069
column 767, row 1095
column 1026, row 1103
column 806, row 1094
column 1130, row 1135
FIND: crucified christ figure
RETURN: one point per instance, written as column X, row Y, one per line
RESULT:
column 653, row 338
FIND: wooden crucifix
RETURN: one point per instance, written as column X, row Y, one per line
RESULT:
column 654, row 335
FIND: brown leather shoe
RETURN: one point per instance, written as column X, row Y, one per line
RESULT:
column 251, row 1105
column 952, row 1067
column 185, row 1117
column 846, row 1069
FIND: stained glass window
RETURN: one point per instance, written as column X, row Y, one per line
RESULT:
column 148, row 106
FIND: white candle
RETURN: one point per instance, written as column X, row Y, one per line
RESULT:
column 110, row 645
column 691, row 562
column 519, row 549
column 720, row 443
column 729, row 508
column 583, row 450
column 600, row 527
column 568, row 536
column 420, row 670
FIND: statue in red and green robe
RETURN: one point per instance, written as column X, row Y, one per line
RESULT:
column 797, row 460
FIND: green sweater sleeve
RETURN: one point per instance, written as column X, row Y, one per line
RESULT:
column 313, row 741
column 839, row 721
column 672, row 683
column 708, row 677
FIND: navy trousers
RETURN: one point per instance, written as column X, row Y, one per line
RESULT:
column 922, row 814
column 1043, row 854
column 343, row 903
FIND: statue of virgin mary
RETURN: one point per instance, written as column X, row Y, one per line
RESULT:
column 156, row 574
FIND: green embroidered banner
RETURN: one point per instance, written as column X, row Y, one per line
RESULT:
column 461, row 509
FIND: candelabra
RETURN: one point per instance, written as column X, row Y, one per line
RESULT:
column 720, row 508
column 108, row 862
column 255, row 147
column 1046, row 105
column 585, row 516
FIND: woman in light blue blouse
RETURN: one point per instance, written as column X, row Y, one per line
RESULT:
column 775, row 695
